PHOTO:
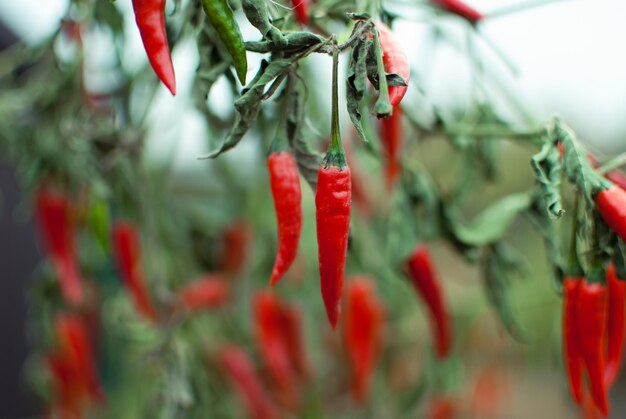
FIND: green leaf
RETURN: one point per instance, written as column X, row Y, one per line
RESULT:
column 619, row 258
column 547, row 227
column 355, row 84
column 547, row 168
column 107, row 14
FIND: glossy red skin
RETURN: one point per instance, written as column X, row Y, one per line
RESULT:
column 362, row 334
column 461, row 9
column 395, row 62
column 571, row 340
column 269, row 335
column 616, row 325
column 392, row 134
column 592, row 328
column 242, row 375
column 127, row 251
column 53, row 210
column 285, row 183
column 426, row 282
column 205, row 293
column 301, row 11
column 150, row 18
column 333, row 199
column 611, row 203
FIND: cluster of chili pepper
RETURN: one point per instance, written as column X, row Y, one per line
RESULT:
column 73, row 368
column 362, row 333
column 425, row 280
column 611, row 204
column 278, row 335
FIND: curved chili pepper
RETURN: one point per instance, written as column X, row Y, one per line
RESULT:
column 301, row 11
column 362, row 333
column 69, row 397
column 392, row 134
column 395, row 62
column 460, row 9
column 616, row 325
column 234, row 253
column 207, row 292
column 590, row 410
column 571, row 340
column 592, row 327
column 425, row 281
column 267, row 311
column 333, row 199
column 287, row 195
column 127, row 250
column 150, row 18
column 611, row 204
column 53, row 210
column 291, row 334
column 240, row 371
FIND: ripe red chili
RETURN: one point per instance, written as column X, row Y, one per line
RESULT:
column 333, row 200
column 616, row 325
column 285, row 183
column 53, row 211
column 127, row 250
column 392, row 134
column 150, row 18
column 592, row 326
column 461, row 9
column 292, row 337
column 590, row 411
column 442, row 407
column 571, row 340
column 301, row 10
column 611, row 204
column 234, row 253
column 362, row 335
column 207, row 292
column 395, row 62
column 242, row 375
column 425, row 281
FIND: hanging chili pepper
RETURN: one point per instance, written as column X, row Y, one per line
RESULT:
column 442, row 407
column 425, row 281
column 53, row 211
column 590, row 411
column 150, row 18
column 69, row 396
column 240, row 371
column 285, row 183
column 395, row 62
column 592, row 327
column 392, row 134
column 301, row 11
column 460, row 9
column 267, row 322
column 127, row 250
column 611, row 204
column 362, row 335
column 207, row 292
column 571, row 340
column 616, row 324
column 332, row 213
column 236, row 241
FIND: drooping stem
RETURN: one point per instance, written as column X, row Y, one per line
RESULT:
column 335, row 155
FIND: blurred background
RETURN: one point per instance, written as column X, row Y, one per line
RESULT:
column 570, row 61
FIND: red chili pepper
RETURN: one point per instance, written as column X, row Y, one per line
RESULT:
column 235, row 248
column 267, row 322
column 127, row 250
column 461, row 9
column 616, row 176
column 392, row 134
column 425, row 281
column 150, row 18
column 53, row 210
column 395, row 62
column 240, row 371
column 362, row 335
column 592, row 327
column 285, row 184
column 616, row 325
column 333, row 200
column 571, row 340
column 293, row 339
column 301, row 10
column 442, row 408
column 611, row 204
column 491, row 390
column 207, row 292
column 590, row 410
column 69, row 397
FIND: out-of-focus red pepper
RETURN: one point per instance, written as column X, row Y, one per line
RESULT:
column 490, row 392
column 207, row 292
column 392, row 134
column 460, row 9
column 127, row 250
column 441, row 407
column 395, row 62
column 293, row 339
column 590, row 411
column 362, row 333
column 54, row 215
column 611, row 204
column 236, row 240
column 571, row 340
column 616, row 325
column 242, row 375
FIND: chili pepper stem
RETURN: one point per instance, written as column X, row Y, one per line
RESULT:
column 335, row 155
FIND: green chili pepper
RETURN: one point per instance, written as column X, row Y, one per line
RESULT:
column 221, row 18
